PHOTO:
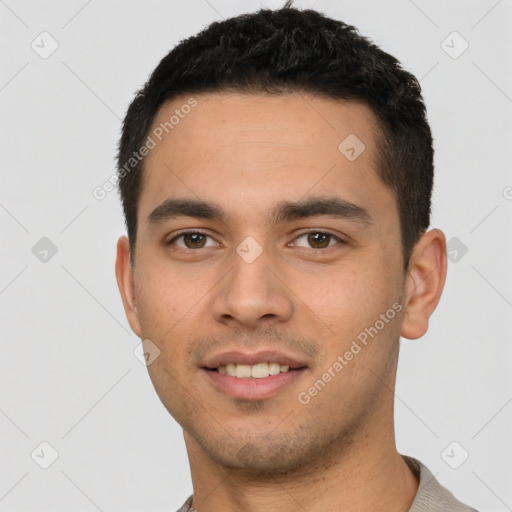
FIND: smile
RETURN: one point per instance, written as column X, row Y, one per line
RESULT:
column 245, row 386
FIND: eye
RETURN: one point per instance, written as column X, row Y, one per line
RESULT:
column 192, row 240
column 318, row 240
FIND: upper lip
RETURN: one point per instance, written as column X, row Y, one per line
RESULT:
column 251, row 358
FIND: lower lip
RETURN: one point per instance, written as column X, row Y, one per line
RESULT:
column 250, row 388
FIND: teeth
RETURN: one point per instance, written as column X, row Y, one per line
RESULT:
column 259, row 371
column 256, row 371
column 242, row 371
column 274, row 368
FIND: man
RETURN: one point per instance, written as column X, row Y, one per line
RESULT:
column 276, row 173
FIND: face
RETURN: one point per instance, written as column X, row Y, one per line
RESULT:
column 261, row 241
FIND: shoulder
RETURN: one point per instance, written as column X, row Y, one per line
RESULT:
column 187, row 506
column 431, row 495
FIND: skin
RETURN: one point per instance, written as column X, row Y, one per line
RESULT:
column 247, row 153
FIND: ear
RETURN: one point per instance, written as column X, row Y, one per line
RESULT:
column 424, row 283
column 124, row 276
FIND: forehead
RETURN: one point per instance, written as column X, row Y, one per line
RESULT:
column 261, row 148
column 219, row 120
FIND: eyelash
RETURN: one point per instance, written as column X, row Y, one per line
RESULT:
column 316, row 232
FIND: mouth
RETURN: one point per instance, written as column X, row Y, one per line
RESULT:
column 256, row 376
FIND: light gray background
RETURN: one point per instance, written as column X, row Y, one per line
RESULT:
column 68, row 375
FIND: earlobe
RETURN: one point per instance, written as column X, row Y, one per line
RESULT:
column 424, row 283
column 124, row 276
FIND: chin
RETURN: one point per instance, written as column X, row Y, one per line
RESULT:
column 263, row 458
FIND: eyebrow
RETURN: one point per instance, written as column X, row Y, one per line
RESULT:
column 283, row 211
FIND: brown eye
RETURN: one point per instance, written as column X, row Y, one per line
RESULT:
column 318, row 240
column 192, row 240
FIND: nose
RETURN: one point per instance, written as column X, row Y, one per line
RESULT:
column 252, row 293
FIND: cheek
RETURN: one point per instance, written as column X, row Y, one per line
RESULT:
column 169, row 304
column 360, row 346
column 349, row 301
column 163, row 297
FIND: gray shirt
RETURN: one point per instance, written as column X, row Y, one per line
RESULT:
column 431, row 495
